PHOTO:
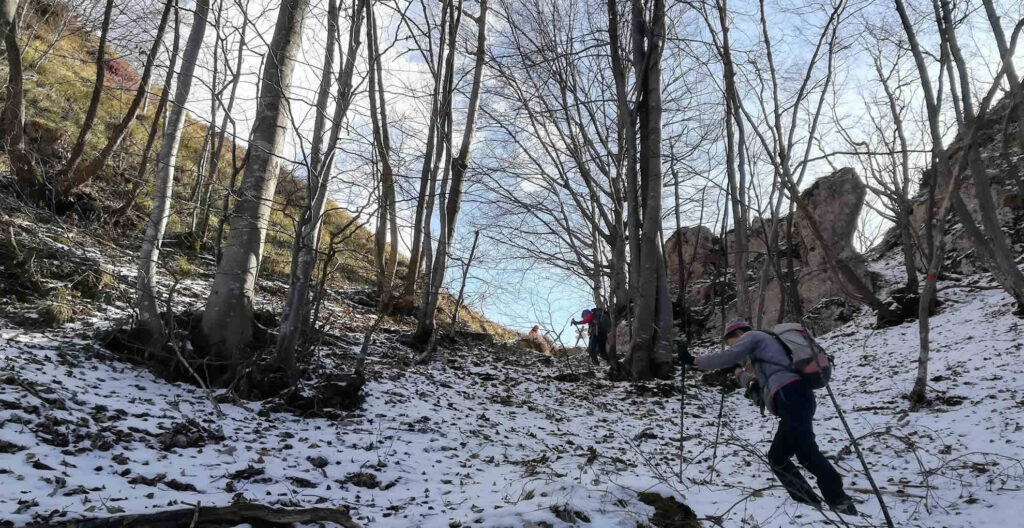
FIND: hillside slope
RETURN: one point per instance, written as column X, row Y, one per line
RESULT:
column 499, row 436
column 59, row 81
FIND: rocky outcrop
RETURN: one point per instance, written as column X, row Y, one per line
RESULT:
column 700, row 252
column 835, row 200
column 1000, row 145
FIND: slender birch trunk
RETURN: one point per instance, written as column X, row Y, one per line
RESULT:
column 149, row 253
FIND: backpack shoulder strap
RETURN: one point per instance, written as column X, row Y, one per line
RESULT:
column 789, row 354
column 782, row 342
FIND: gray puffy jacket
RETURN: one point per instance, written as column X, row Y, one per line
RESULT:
column 772, row 365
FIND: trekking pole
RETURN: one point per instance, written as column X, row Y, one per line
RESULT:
column 718, row 434
column 849, row 432
column 682, row 408
column 860, row 456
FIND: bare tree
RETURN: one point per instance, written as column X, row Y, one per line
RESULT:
column 944, row 172
column 387, row 215
column 452, row 196
column 64, row 181
column 295, row 321
column 13, row 118
column 227, row 321
column 149, row 253
column 640, row 140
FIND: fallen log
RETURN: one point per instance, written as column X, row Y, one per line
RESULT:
column 218, row 517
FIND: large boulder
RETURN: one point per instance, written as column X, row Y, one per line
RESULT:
column 699, row 251
column 835, row 202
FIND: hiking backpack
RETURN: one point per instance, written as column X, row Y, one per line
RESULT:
column 603, row 320
column 810, row 360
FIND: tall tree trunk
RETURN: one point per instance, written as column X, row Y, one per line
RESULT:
column 650, row 348
column 227, row 322
column 13, row 118
column 63, row 179
column 737, row 188
column 450, row 210
column 596, row 260
column 294, row 320
column 88, row 172
column 423, row 214
column 149, row 253
column 387, row 209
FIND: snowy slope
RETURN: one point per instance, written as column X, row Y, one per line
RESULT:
column 491, row 440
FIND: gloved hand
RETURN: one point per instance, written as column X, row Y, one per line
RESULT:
column 754, row 394
column 685, row 358
column 574, row 323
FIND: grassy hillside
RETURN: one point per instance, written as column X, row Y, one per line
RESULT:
column 59, row 79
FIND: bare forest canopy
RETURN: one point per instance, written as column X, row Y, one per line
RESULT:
column 531, row 159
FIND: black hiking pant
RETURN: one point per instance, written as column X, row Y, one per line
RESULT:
column 794, row 404
column 598, row 347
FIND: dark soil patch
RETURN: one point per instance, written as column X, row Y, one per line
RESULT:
column 256, row 378
column 362, row 479
column 188, row 434
column 950, row 400
column 668, row 512
column 249, row 472
column 656, row 389
column 723, row 379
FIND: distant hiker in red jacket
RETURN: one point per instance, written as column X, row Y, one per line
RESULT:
column 598, row 323
column 535, row 330
column 787, row 396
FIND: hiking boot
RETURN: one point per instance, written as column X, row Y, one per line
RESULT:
column 844, row 506
column 812, row 501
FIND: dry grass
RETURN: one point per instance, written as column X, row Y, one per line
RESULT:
column 57, row 95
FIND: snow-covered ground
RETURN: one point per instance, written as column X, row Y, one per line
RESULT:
column 490, row 439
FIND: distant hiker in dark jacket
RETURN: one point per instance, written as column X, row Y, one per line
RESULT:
column 598, row 325
column 787, row 396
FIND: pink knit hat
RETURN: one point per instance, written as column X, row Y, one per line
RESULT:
column 736, row 324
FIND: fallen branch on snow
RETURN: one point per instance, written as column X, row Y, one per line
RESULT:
column 207, row 517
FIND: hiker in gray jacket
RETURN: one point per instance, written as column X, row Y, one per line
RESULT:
column 790, row 398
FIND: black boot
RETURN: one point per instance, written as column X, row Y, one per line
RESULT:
column 844, row 506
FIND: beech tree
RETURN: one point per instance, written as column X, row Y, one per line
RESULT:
column 228, row 319
column 387, row 214
column 451, row 194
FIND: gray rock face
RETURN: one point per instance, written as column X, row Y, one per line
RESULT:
column 835, row 200
column 700, row 253
column 1000, row 146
